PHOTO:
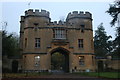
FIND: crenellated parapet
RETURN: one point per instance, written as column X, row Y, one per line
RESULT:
column 81, row 14
column 43, row 13
column 74, row 19
column 61, row 23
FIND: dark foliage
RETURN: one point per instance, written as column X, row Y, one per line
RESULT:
column 102, row 43
column 114, row 10
column 10, row 44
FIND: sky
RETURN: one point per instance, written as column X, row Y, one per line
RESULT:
column 11, row 12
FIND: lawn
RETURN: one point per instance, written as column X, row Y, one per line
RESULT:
column 19, row 75
column 93, row 74
column 100, row 74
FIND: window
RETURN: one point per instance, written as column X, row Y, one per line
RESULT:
column 37, row 42
column 93, row 60
column 81, row 61
column 92, row 46
column 25, row 42
column 37, row 60
column 59, row 33
column 82, row 28
column 36, row 26
column 80, row 43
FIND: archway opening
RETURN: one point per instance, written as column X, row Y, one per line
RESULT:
column 60, row 60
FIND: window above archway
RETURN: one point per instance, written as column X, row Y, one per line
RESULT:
column 59, row 33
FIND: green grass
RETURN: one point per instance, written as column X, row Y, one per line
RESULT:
column 100, row 74
column 18, row 75
column 93, row 74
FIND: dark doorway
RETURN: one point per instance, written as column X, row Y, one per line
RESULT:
column 60, row 60
column 14, row 66
column 100, row 66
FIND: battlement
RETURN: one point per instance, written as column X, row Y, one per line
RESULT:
column 81, row 14
column 37, row 13
column 58, row 23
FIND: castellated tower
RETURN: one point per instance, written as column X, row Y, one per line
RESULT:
column 32, row 20
column 41, row 40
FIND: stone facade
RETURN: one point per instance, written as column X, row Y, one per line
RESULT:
column 40, row 38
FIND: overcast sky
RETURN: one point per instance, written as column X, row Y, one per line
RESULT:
column 11, row 12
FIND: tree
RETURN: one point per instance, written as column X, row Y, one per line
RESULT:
column 102, row 43
column 114, row 11
column 116, row 52
column 10, row 44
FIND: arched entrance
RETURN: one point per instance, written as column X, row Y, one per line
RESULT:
column 60, row 59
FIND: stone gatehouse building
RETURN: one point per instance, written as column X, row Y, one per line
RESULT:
column 40, row 39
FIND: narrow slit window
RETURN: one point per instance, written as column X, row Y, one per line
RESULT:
column 92, row 46
column 93, row 60
column 25, row 42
